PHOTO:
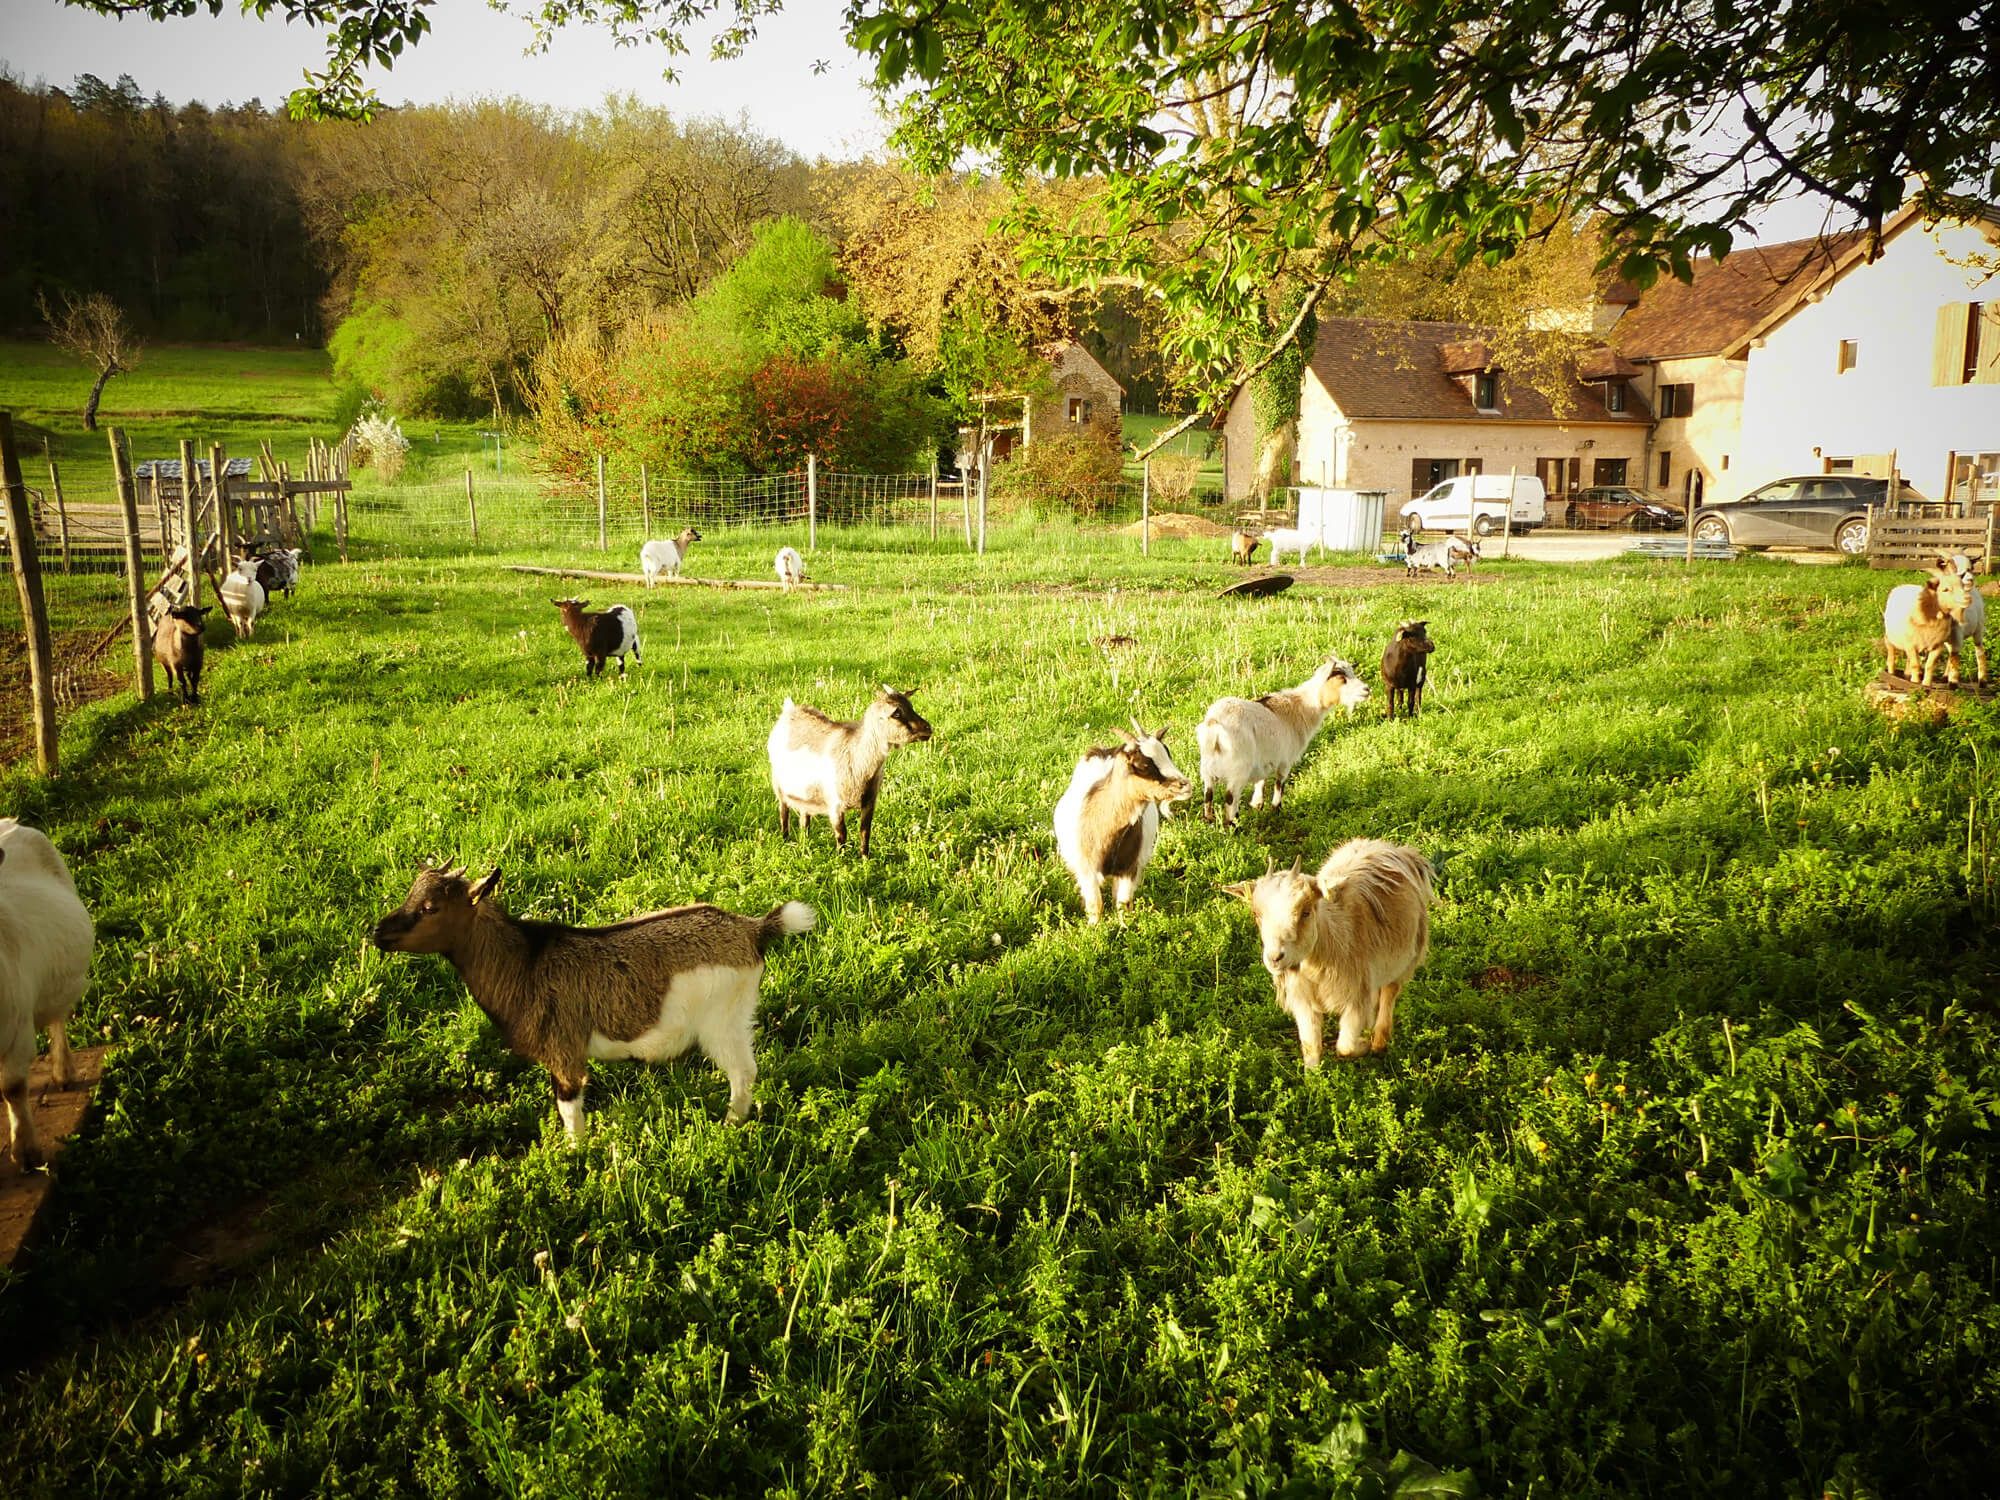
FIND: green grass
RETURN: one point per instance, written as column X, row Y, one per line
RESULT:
column 1676, row 1181
column 1197, row 441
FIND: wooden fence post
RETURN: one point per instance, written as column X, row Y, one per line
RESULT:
column 933, row 497
column 645, row 505
column 135, row 566
column 985, row 463
column 340, row 521
column 601, row 544
column 812, row 502
column 225, row 524
column 190, row 523
column 1507, row 516
column 34, row 608
column 62, row 510
column 471, row 508
column 1146, row 508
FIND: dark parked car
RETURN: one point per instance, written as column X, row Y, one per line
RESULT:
column 1612, row 506
column 1808, row 510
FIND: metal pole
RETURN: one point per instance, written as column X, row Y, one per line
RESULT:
column 1507, row 518
column 62, row 510
column 985, row 463
column 645, row 504
column 135, row 566
column 933, row 497
column 601, row 546
column 34, row 608
column 812, row 503
column 471, row 508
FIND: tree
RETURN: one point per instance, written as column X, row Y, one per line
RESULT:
column 94, row 329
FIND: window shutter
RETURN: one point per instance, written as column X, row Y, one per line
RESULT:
column 1988, row 372
column 1948, row 354
column 1575, row 472
column 1420, row 475
column 1474, row 466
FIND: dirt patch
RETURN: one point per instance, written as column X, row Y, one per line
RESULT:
column 58, row 1112
column 1174, row 523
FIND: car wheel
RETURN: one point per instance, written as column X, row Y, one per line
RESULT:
column 1484, row 525
column 1852, row 538
column 1571, row 518
column 1711, row 529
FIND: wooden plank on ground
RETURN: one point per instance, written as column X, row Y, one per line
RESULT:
column 58, row 1114
column 640, row 578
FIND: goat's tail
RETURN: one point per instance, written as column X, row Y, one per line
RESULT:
column 1212, row 739
column 784, row 921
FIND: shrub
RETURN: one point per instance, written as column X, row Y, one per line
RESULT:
column 379, row 443
column 1174, row 477
column 1074, row 471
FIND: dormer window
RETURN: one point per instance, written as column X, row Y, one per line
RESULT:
column 1614, row 395
column 1486, row 391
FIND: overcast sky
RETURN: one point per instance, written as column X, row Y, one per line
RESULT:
column 471, row 51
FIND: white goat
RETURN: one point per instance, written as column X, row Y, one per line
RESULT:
column 1108, row 821
column 1248, row 741
column 1344, row 942
column 45, row 943
column 1290, row 539
column 828, row 767
column 1928, row 618
column 1972, row 626
column 666, row 557
column 1445, row 557
column 791, row 568
column 243, row 597
column 650, row 987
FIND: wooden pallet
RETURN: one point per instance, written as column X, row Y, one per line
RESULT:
column 1913, row 541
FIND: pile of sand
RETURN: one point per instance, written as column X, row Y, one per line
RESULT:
column 1174, row 523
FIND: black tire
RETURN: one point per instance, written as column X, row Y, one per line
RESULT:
column 1711, row 529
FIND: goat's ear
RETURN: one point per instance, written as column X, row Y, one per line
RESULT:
column 485, row 887
column 1242, row 890
column 1160, row 734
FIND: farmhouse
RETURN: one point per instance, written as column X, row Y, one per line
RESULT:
column 1806, row 357
column 1395, row 406
column 1077, row 395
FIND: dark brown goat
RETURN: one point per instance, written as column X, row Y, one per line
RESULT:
column 178, row 646
column 1406, row 666
column 612, row 632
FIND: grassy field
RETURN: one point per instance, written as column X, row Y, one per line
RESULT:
column 1677, row 1180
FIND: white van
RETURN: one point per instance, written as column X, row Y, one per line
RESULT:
column 1480, row 502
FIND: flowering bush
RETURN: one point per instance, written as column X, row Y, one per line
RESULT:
column 379, row 443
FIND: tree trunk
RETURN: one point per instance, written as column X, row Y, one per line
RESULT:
column 96, row 392
column 1274, row 460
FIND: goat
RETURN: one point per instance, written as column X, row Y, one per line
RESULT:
column 1242, row 544
column 179, row 644
column 1928, row 617
column 1108, row 821
column 278, row 569
column 1445, row 557
column 791, row 568
column 1344, row 942
column 45, row 942
column 649, row 987
column 666, row 557
column 1290, row 539
column 243, row 598
column 1972, row 625
column 611, row 632
column 1254, row 740
column 827, row 767
column 1406, row 666
column 1409, row 540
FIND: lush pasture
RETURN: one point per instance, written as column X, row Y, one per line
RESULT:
column 1676, row 1180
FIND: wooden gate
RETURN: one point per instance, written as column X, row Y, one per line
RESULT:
column 1912, row 541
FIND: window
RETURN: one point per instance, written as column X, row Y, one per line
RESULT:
column 1614, row 395
column 1850, row 350
column 1691, row 487
column 1427, row 473
column 1676, row 400
column 1079, row 409
column 1967, row 348
column 1486, row 391
column 1666, row 467
column 1608, row 471
column 1839, row 465
column 1473, row 466
column 1725, row 463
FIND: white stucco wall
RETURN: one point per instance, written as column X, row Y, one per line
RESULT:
column 1376, row 454
column 1795, row 401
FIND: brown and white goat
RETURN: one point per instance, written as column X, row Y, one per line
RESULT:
column 1242, row 544
column 823, row 767
column 1406, row 667
column 1929, row 617
column 1108, row 821
column 650, row 987
column 1344, row 942
column 1248, row 741
column 179, row 645
column 611, row 632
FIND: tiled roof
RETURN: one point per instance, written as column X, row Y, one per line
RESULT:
column 1375, row 368
column 1726, row 299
